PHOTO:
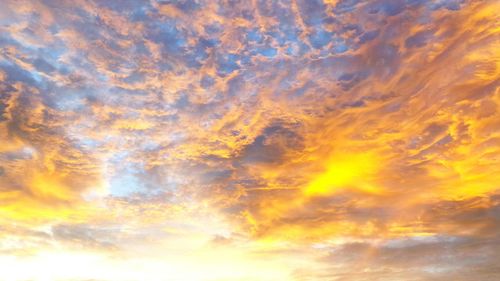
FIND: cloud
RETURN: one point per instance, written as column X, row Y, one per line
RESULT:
column 85, row 236
column 362, row 136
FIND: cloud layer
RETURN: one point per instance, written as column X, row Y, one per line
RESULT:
column 336, row 140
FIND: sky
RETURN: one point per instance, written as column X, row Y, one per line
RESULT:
column 281, row 140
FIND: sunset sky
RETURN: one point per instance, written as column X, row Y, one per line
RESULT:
column 287, row 140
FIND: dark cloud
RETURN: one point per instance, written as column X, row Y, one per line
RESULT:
column 418, row 40
column 85, row 236
column 432, row 258
column 271, row 146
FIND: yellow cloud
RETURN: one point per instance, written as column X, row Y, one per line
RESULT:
column 347, row 171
